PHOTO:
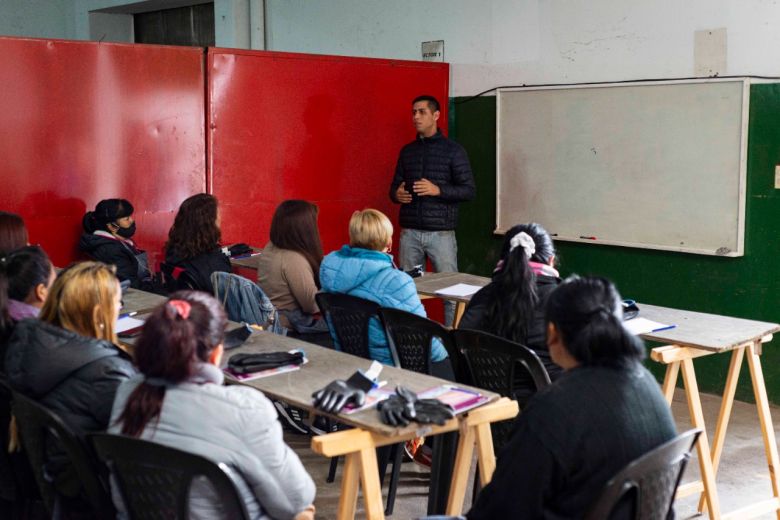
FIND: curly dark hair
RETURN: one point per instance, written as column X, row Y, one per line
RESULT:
column 194, row 231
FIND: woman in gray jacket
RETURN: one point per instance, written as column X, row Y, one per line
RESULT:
column 179, row 401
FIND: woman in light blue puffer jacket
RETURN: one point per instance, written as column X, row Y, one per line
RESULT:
column 365, row 269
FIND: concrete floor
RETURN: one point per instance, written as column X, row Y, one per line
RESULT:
column 743, row 477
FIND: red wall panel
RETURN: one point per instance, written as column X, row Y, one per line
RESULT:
column 84, row 121
column 323, row 128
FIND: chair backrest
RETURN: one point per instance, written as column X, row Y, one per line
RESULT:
column 41, row 431
column 245, row 301
column 177, row 278
column 348, row 318
column 154, row 480
column 648, row 484
column 493, row 362
column 409, row 337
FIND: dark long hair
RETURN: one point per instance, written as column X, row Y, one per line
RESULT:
column 6, row 323
column 13, row 233
column 26, row 268
column 169, row 348
column 294, row 227
column 194, row 231
column 106, row 212
column 589, row 317
column 510, row 311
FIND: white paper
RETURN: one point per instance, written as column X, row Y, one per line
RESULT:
column 127, row 323
column 459, row 289
column 639, row 326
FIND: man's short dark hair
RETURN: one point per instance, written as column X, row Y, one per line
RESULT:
column 433, row 103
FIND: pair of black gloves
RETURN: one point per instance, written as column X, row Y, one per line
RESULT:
column 397, row 410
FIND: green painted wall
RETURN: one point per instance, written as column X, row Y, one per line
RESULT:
column 746, row 287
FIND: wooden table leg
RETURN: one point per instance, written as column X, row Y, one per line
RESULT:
column 670, row 381
column 460, row 308
column 765, row 418
column 369, row 479
column 460, row 471
column 724, row 415
column 702, row 446
column 349, row 487
column 485, row 454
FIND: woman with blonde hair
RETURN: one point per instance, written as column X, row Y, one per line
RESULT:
column 365, row 269
column 68, row 359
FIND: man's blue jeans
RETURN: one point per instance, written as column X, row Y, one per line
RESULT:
column 442, row 249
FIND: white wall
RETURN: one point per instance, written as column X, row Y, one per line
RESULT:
column 36, row 18
column 488, row 42
column 511, row 42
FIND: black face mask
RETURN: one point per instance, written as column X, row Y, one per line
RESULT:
column 126, row 232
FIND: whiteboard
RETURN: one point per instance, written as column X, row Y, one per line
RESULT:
column 657, row 165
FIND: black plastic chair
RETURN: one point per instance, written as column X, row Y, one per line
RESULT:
column 409, row 337
column 177, row 279
column 645, row 488
column 41, row 431
column 348, row 318
column 154, row 480
column 493, row 362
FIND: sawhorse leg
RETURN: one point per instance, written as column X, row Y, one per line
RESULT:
column 697, row 419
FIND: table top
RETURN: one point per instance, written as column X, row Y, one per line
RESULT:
column 429, row 283
column 704, row 331
column 324, row 366
column 142, row 302
column 249, row 262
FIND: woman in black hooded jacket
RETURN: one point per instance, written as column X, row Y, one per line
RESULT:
column 107, row 238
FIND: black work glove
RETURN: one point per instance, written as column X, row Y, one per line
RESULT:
column 404, row 406
column 336, row 394
column 249, row 363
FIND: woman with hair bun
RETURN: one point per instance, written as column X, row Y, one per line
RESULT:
column 107, row 238
column 179, row 400
column 603, row 412
column 30, row 276
column 512, row 304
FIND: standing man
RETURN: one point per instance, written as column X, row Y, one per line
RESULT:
column 432, row 177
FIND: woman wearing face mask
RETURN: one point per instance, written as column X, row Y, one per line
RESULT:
column 107, row 238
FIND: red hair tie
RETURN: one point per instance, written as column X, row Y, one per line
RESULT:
column 181, row 307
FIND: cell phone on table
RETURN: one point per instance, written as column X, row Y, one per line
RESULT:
column 237, row 337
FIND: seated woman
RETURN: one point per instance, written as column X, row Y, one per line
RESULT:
column 288, row 271
column 365, row 269
column 512, row 305
column 193, row 243
column 603, row 412
column 13, row 233
column 30, row 276
column 68, row 359
column 178, row 400
column 107, row 238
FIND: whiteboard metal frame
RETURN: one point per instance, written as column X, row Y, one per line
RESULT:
column 746, row 82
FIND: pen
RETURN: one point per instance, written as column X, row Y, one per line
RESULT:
column 128, row 314
column 588, row 238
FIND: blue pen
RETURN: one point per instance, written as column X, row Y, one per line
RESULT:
column 664, row 328
column 128, row 314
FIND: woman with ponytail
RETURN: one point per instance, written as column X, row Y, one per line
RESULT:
column 603, row 412
column 179, row 400
column 512, row 304
column 107, row 238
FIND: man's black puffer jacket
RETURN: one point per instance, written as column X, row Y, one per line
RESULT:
column 444, row 163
